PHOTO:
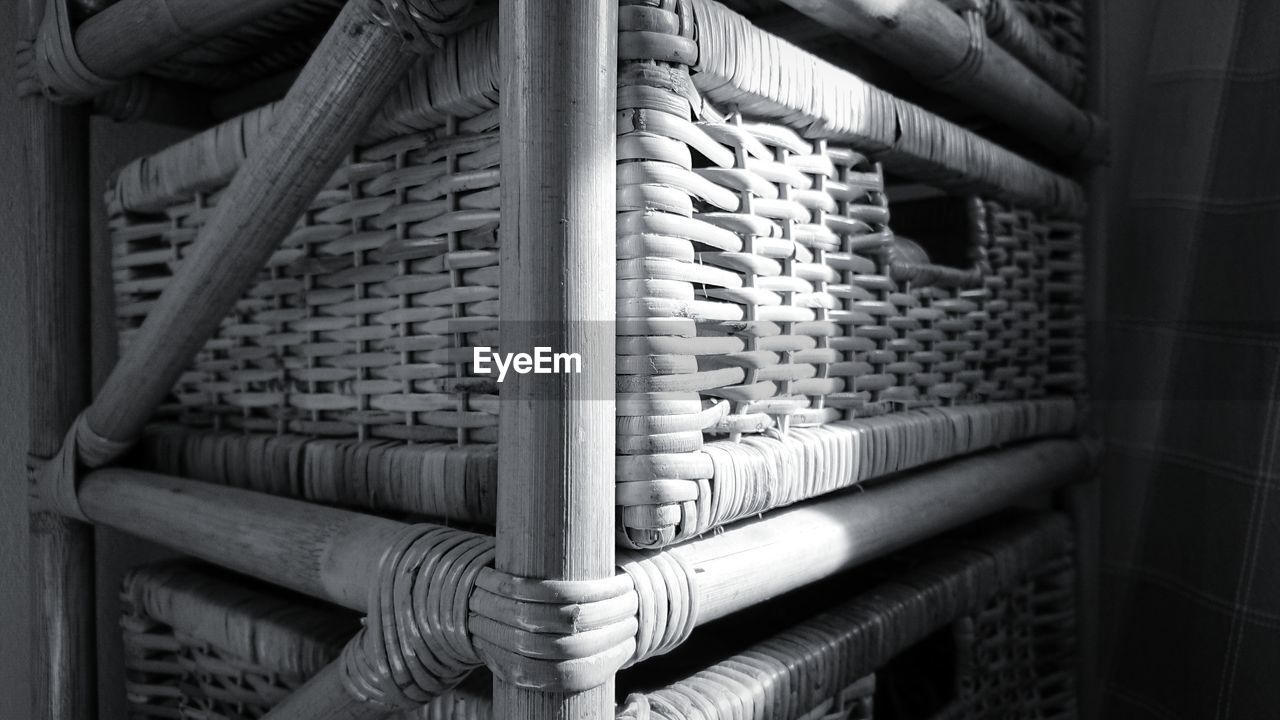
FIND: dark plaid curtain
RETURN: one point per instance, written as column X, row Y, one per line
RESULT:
column 1189, row 386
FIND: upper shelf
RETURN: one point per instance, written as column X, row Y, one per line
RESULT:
column 1018, row 62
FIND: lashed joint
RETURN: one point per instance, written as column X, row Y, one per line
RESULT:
column 51, row 64
column 556, row 635
column 55, row 481
column 423, row 23
column 440, row 609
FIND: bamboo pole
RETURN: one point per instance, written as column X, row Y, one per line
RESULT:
column 1083, row 500
column 359, row 61
column 132, row 35
column 324, row 697
column 54, row 239
column 931, row 41
column 555, row 513
column 788, row 549
column 324, row 552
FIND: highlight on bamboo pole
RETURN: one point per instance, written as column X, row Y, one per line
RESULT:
column 555, row 513
column 360, row 60
column 938, row 47
column 54, row 240
column 328, row 553
column 788, row 549
column 325, row 697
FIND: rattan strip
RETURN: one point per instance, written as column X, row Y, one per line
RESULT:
column 1013, row 661
column 740, row 65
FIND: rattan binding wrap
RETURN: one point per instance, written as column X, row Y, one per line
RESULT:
column 201, row 643
column 775, row 340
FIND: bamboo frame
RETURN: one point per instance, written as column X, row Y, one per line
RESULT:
column 933, row 43
column 323, row 552
column 55, row 239
column 555, row 515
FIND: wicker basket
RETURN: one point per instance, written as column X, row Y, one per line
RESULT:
column 776, row 339
column 201, row 643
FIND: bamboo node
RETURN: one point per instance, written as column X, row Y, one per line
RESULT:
column 424, row 24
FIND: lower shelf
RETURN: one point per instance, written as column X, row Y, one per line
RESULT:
column 976, row 624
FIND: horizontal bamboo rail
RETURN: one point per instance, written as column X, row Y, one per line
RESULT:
column 324, row 552
column 333, row 554
column 788, row 549
column 936, row 45
column 132, row 35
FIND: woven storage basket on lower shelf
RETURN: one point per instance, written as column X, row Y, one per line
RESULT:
column 775, row 340
column 201, row 643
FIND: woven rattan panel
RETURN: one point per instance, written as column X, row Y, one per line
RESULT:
column 776, row 340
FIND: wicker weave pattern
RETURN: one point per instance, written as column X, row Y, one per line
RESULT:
column 775, row 339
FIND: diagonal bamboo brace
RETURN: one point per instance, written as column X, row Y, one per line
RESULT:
column 363, row 56
column 357, row 64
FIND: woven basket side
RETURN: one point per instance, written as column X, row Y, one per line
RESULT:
column 200, row 644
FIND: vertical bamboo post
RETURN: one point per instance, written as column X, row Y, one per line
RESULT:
column 55, row 238
column 1084, row 500
column 555, row 507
